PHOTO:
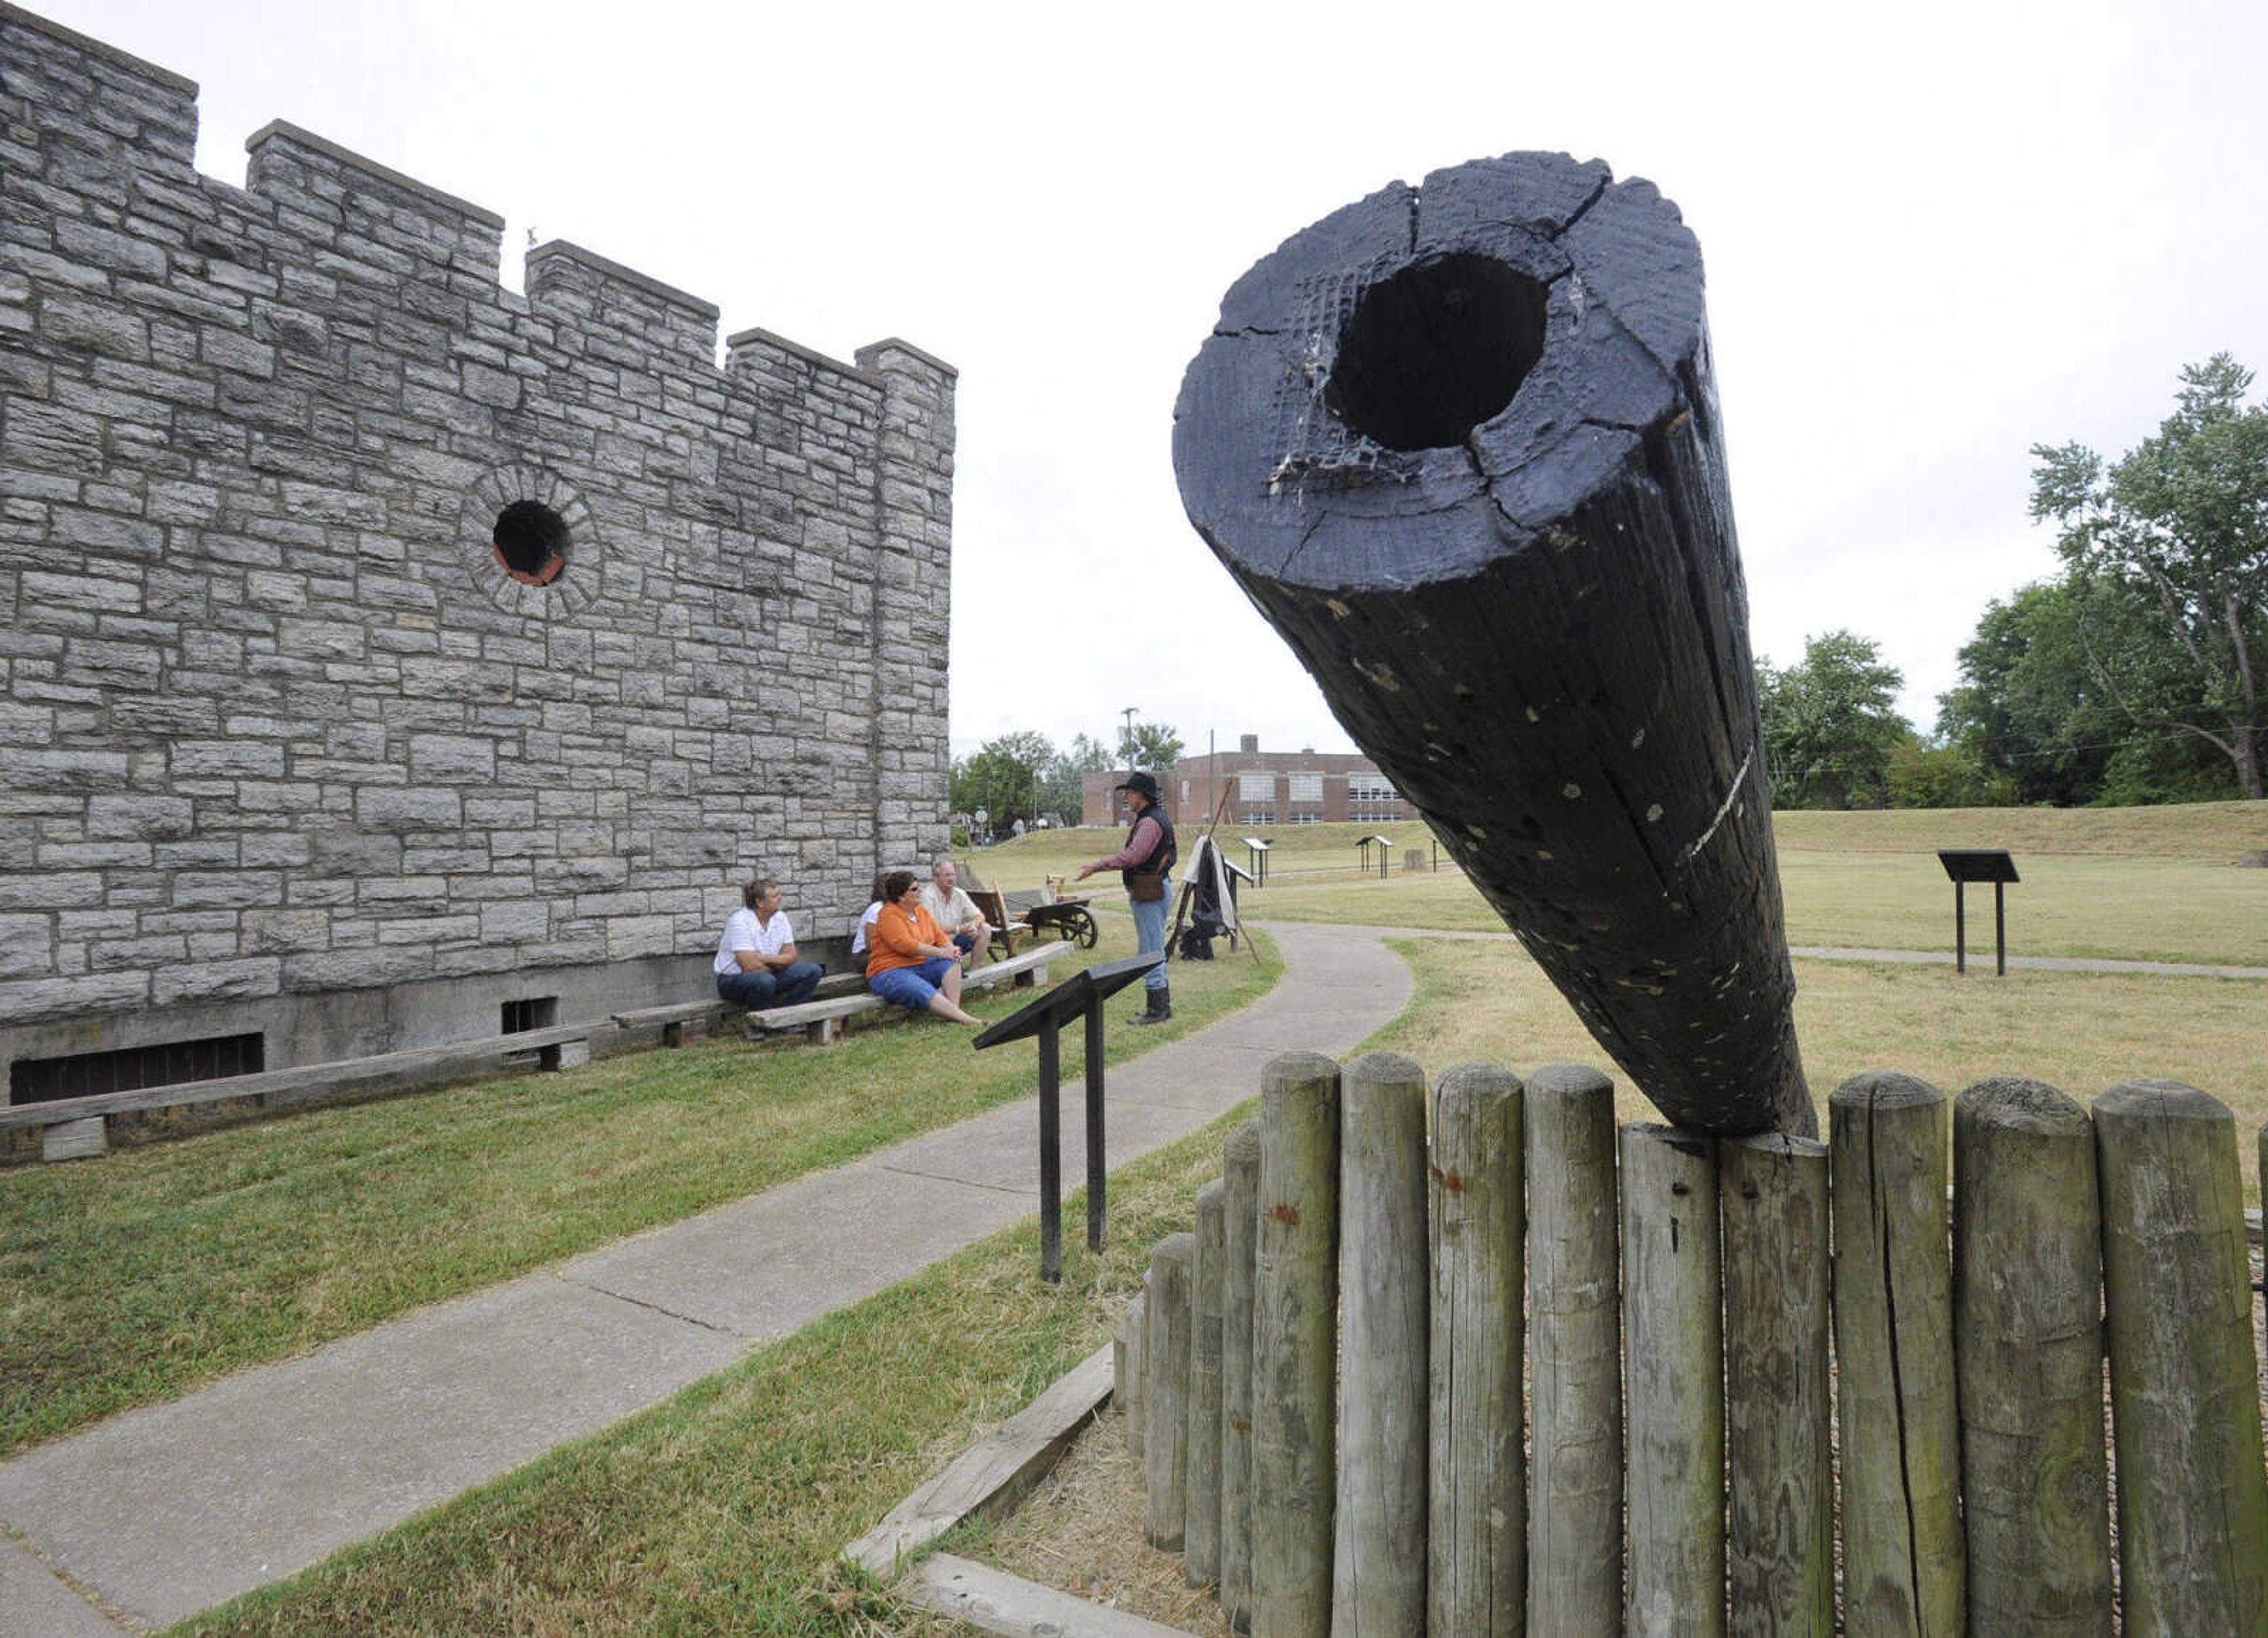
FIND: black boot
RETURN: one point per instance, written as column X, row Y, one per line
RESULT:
column 1161, row 1006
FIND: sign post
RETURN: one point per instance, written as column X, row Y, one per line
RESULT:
column 1043, row 1017
column 1963, row 865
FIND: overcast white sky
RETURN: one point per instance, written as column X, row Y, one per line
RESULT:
column 1936, row 235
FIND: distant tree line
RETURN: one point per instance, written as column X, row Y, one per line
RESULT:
column 1022, row 776
column 2134, row 676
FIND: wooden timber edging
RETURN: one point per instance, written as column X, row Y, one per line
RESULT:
column 986, row 1480
column 564, row 1045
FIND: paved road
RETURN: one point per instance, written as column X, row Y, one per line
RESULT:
column 163, row 1511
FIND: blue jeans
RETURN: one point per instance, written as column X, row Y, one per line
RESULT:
column 761, row 988
column 1150, row 932
column 911, row 988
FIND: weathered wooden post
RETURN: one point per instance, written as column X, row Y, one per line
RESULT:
column 1674, row 1488
column 1477, row 1530
column 1460, row 443
column 1378, row 1577
column 1165, row 1444
column 1902, row 1564
column 1779, row 1529
column 2185, row 1387
column 1295, row 1297
column 1134, row 1383
column 1575, row 1526
column 1240, row 1214
column 2028, row 1335
column 1200, row 1539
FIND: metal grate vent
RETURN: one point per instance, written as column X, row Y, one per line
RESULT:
column 130, row 1068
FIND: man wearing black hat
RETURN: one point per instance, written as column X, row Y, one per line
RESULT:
column 1143, row 864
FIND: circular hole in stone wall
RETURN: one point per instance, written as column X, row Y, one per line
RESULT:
column 531, row 540
column 1437, row 349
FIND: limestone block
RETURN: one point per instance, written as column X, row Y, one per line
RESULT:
column 139, row 816
column 27, row 946
column 44, row 890
column 24, row 770
column 193, row 758
column 37, row 1001
column 409, row 809
column 513, row 922
column 216, row 980
column 641, row 935
column 449, row 758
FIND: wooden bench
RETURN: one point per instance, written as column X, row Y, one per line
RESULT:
column 73, row 1128
column 822, row 1020
column 673, row 1018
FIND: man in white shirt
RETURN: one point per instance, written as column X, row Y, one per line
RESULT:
column 952, row 910
column 756, row 965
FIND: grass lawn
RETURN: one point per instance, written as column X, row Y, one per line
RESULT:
column 2080, row 1032
column 2129, row 884
column 138, row 1277
column 721, row 1509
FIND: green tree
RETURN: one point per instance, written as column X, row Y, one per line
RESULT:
column 1926, row 774
column 1155, row 746
column 1829, row 723
column 1003, row 778
column 2028, row 708
column 2180, row 520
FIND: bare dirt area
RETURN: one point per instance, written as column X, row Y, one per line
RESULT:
column 1082, row 1531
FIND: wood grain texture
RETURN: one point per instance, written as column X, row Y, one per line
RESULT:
column 2028, row 1335
column 1476, row 1528
column 1780, row 1524
column 1201, row 1537
column 1377, row 1572
column 1460, row 443
column 990, row 1476
column 1575, row 1486
column 1138, row 1367
column 1902, row 1552
column 1170, row 1324
column 1674, row 1488
column 2184, row 1384
column 1240, row 1228
column 1295, row 1347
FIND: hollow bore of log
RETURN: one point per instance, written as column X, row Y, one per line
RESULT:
column 1460, row 444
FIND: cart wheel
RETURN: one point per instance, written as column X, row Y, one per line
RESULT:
column 1082, row 927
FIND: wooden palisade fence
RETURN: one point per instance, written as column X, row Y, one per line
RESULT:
column 1330, row 1371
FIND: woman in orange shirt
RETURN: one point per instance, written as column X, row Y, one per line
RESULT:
column 909, row 961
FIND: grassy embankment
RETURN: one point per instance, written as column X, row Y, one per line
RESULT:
column 137, row 1277
column 2131, row 884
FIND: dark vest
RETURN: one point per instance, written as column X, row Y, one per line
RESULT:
column 1162, row 856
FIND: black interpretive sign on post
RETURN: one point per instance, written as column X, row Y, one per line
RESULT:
column 1045, row 1017
column 1963, row 865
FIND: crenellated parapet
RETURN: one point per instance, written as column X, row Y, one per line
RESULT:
column 282, row 749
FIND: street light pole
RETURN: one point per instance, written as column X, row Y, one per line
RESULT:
column 1129, row 714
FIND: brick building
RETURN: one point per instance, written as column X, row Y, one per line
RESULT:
column 1264, row 787
column 286, row 760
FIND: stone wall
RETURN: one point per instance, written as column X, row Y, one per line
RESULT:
column 281, row 748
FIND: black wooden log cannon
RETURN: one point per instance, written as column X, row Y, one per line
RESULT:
column 1460, row 443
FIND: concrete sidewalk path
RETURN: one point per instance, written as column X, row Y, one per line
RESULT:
column 161, row 1512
